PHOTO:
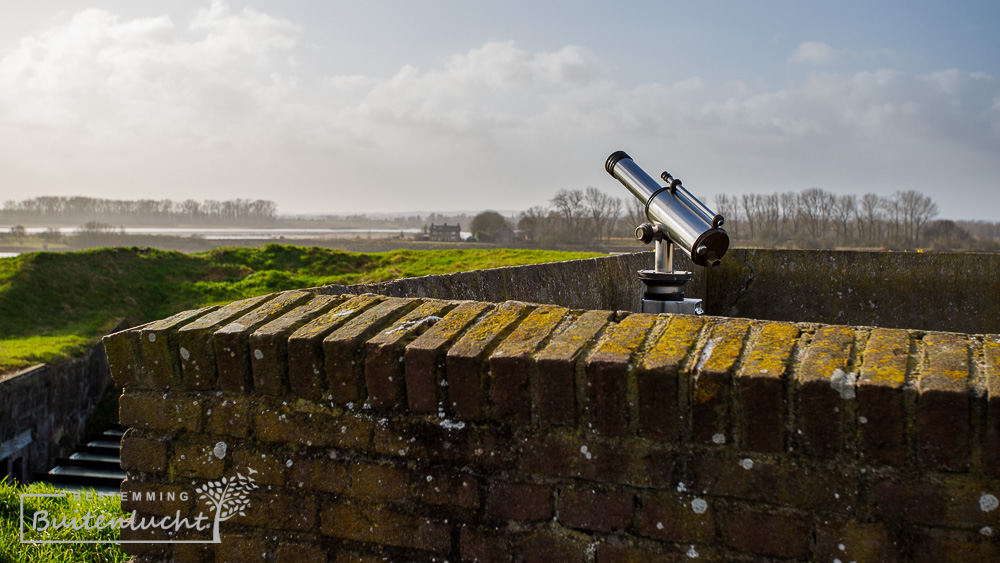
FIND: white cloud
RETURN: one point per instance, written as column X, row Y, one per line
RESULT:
column 814, row 52
column 99, row 101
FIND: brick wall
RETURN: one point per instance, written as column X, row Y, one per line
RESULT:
column 403, row 429
column 44, row 411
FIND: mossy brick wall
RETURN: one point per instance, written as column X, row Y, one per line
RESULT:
column 415, row 429
column 947, row 291
column 44, row 410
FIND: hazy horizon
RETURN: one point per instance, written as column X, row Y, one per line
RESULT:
column 381, row 107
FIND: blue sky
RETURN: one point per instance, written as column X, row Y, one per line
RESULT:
column 334, row 107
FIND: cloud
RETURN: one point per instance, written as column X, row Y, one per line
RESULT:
column 99, row 102
column 814, row 52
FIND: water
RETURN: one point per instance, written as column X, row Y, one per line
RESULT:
column 243, row 233
column 8, row 254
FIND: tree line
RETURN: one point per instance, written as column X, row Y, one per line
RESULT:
column 811, row 218
column 143, row 211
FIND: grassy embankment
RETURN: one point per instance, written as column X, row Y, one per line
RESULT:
column 53, row 305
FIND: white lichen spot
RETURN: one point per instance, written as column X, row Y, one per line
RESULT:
column 988, row 502
column 451, row 425
column 152, row 337
column 699, row 506
column 236, row 327
column 986, row 531
column 344, row 313
column 219, row 450
column 862, row 420
column 586, row 453
column 843, row 383
column 841, row 547
column 719, row 438
column 185, row 354
column 288, row 463
column 258, row 354
column 429, row 478
column 746, row 463
column 706, row 354
column 692, row 552
column 681, row 488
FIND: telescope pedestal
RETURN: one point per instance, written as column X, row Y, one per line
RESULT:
column 662, row 293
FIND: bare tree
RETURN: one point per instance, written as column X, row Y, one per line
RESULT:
column 917, row 210
column 870, row 217
column 845, row 208
column 814, row 208
column 603, row 211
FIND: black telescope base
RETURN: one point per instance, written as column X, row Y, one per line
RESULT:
column 662, row 293
column 682, row 307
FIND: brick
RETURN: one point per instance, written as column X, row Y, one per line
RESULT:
column 269, row 343
column 711, row 381
column 306, row 377
column 512, row 366
column 124, row 358
column 636, row 462
column 381, row 526
column 278, row 511
column 763, row 533
column 608, row 552
column 160, row 355
column 325, row 475
column 548, row 546
column 145, row 454
column 881, row 409
column 820, row 402
column 284, row 425
column 519, row 501
column 232, row 341
column 155, row 551
column 991, row 354
column 466, row 361
column 460, row 443
column 300, row 553
column 942, row 417
column 241, row 548
column 159, row 411
column 344, row 350
column 269, row 469
column 555, row 402
column 676, row 517
column 762, row 387
column 384, row 374
column 594, row 509
column 424, row 357
column 855, row 541
column 447, row 489
column 953, row 502
column 953, row 546
column 607, row 373
column 657, row 392
column 228, row 414
column 778, row 481
column 485, row 546
column 379, row 482
column 196, row 460
column 194, row 341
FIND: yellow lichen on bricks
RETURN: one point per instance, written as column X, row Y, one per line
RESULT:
column 728, row 339
column 336, row 316
column 770, row 350
column 532, row 330
column 624, row 338
column 886, row 356
column 829, row 351
column 946, row 356
column 674, row 344
column 991, row 353
column 501, row 317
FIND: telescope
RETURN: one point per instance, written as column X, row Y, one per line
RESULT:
column 675, row 218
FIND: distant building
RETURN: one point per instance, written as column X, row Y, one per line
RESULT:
column 505, row 234
column 445, row 233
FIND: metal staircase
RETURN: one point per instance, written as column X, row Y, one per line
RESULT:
column 96, row 464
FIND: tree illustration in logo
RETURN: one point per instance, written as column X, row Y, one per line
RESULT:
column 229, row 497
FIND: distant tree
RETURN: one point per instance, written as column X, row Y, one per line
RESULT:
column 17, row 232
column 486, row 225
column 603, row 209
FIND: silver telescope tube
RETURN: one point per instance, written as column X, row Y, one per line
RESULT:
column 690, row 229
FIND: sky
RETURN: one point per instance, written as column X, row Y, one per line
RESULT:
column 379, row 106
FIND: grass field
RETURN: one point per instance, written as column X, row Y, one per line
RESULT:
column 55, row 304
column 13, row 551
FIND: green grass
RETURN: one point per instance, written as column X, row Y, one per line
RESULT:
column 13, row 551
column 55, row 304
